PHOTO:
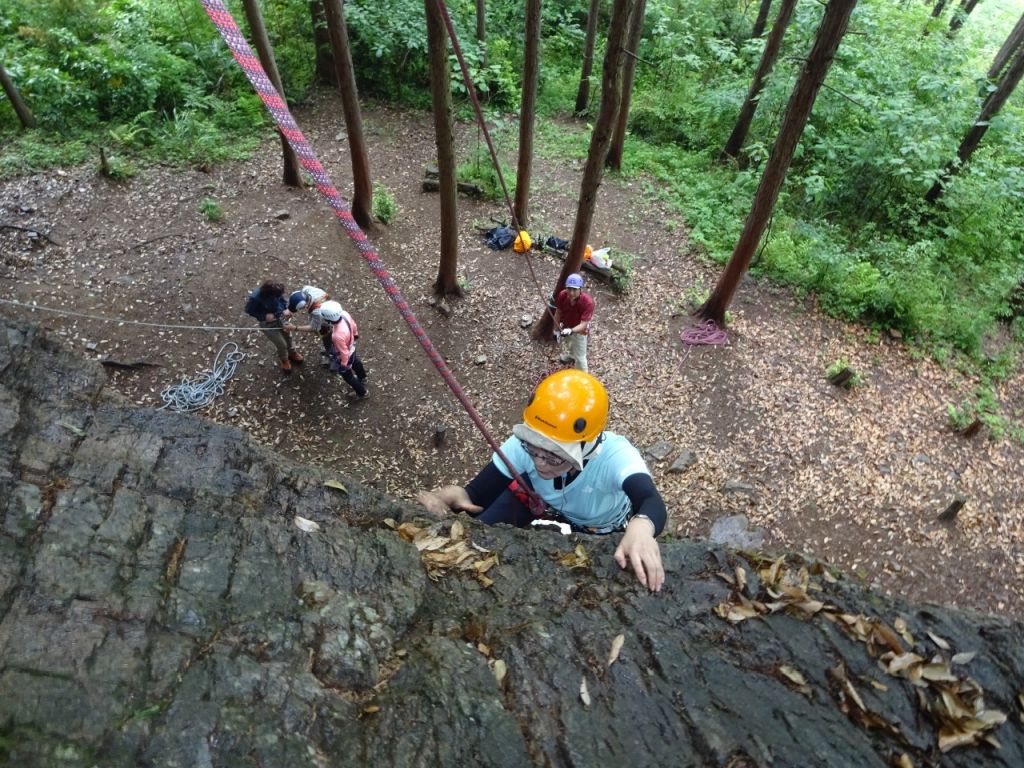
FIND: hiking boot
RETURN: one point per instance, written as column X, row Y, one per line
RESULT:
column 295, row 357
column 364, row 396
column 286, row 367
column 564, row 358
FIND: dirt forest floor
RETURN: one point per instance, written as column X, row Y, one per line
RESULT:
column 856, row 478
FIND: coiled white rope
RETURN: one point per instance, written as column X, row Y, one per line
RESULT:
column 193, row 394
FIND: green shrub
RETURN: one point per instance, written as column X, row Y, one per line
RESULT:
column 211, row 209
column 384, row 205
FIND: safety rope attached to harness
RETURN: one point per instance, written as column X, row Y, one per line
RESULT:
column 278, row 108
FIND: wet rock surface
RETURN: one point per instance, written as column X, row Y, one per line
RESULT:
column 159, row 606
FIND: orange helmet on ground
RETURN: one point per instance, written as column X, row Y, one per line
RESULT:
column 568, row 406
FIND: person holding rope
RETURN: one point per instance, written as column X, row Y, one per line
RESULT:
column 591, row 479
column 344, row 359
column 311, row 298
column 573, row 312
column 268, row 307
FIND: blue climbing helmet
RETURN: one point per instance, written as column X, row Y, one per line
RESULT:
column 575, row 280
column 297, row 301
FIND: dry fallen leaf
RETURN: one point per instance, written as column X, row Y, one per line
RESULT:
column 336, row 485
column 305, row 525
column 616, row 647
column 938, row 640
column 499, row 669
column 584, row 693
column 793, row 675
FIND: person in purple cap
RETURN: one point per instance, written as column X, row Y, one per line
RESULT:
column 573, row 311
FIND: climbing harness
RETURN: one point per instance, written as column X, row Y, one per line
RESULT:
column 278, row 108
column 191, row 395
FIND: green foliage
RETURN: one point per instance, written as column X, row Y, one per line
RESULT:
column 837, row 368
column 211, row 209
column 622, row 273
column 479, row 169
column 384, row 206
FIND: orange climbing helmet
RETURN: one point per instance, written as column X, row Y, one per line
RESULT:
column 568, row 406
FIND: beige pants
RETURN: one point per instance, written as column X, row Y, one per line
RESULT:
column 576, row 348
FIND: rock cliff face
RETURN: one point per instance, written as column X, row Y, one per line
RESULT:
column 160, row 605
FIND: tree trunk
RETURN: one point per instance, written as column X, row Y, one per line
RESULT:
column 528, row 110
column 290, row 174
column 481, row 23
column 20, row 108
column 1013, row 41
column 989, row 109
column 636, row 31
column 324, row 59
column 805, row 91
column 762, row 18
column 362, row 186
column 447, row 283
column 961, row 14
column 583, row 92
column 938, row 8
column 764, row 69
column 600, row 138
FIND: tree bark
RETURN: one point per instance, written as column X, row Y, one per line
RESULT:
column 989, row 109
column 764, row 69
column 961, row 14
column 324, row 58
column 600, row 138
column 938, row 8
column 447, row 283
column 1012, row 43
column 481, row 23
column 362, row 186
column 801, row 101
column 20, row 108
column 583, row 92
column 528, row 111
column 636, row 31
column 290, row 174
column 762, row 18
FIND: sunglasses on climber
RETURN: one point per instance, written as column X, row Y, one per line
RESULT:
column 541, row 456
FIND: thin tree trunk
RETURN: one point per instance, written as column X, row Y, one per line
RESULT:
column 290, row 174
column 801, row 101
column 600, row 138
column 481, row 22
column 636, row 31
column 764, row 69
column 362, row 186
column 528, row 110
column 937, row 8
column 447, row 283
column 762, row 18
column 583, row 92
column 324, row 59
column 1012, row 43
column 961, row 14
column 20, row 108
column 989, row 109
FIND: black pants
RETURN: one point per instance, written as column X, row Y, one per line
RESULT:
column 355, row 374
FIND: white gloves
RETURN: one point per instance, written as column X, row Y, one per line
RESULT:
column 567, row 331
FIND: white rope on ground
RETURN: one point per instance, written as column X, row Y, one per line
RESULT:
column 191, row 395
